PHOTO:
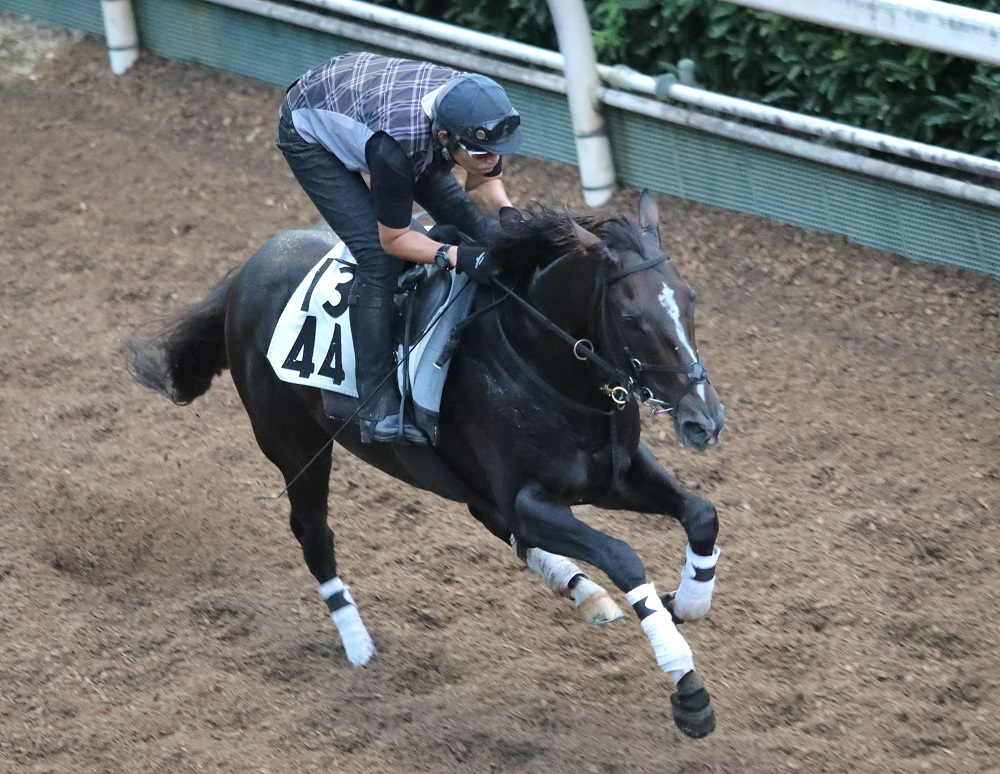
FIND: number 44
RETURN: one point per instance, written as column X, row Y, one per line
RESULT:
column 300, row 357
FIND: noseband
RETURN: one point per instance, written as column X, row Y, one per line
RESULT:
column 622, row 380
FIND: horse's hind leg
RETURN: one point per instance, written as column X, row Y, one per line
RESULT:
column 290, row 438
column 308, row 498
column 558, row 573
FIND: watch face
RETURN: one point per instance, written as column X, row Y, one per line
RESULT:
column 441, row 257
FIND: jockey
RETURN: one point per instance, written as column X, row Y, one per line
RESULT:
column 405, row 124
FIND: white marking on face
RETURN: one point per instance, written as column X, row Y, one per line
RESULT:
column 669, row 302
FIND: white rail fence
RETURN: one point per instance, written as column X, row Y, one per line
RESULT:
column 930, row 24
column 945, row 27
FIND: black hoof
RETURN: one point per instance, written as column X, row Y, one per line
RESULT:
column 692, row 707
column 668, row 602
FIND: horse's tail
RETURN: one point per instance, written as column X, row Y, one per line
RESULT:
column 188, row 350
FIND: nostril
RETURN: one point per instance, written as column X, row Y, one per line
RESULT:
column 696, row 433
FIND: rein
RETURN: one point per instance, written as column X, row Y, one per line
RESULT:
column 621, row 382
column 583, row 349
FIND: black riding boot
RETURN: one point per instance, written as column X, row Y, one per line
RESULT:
column 373, row 315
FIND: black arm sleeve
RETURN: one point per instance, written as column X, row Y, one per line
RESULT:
column 392, row 180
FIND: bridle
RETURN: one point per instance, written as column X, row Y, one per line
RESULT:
column 622, row 380
column 695, row 371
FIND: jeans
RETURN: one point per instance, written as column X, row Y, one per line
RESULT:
column 345, row 202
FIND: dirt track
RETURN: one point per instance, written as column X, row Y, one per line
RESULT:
column 153, row 617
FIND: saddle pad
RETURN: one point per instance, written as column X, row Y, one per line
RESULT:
column 312, row 343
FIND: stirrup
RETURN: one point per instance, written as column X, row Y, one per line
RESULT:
column 388, row 430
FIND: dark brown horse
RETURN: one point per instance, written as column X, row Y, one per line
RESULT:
column 539, row 414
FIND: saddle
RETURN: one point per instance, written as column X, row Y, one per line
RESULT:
column 312, row 343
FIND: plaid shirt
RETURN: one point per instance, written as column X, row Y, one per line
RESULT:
column 341, row 103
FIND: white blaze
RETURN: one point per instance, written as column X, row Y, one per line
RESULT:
column 669, row 302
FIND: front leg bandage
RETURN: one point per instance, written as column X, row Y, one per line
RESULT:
column 555, row 571
column 694, row 596
column 567, row 580
column 357, row 642
column 673, row 654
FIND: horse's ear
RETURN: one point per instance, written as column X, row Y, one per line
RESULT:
column 588, row 240
column 649, row 219
column 592, row 243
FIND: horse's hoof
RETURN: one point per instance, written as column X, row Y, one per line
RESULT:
column 599, row 608
column 668, row 602
column 682, row 613
column 360, row 658
column 692, row 707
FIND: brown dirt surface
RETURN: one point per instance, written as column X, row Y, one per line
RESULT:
column 155, row 618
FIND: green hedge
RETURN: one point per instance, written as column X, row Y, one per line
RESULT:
column 859, row 80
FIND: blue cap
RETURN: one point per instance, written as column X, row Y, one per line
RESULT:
column 478, row 112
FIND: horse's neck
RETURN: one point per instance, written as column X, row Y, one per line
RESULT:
column 551, row 358
column 566, row 293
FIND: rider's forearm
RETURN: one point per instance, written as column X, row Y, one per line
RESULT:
column 488, row 194
column 411, row 245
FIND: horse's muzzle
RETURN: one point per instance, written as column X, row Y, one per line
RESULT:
column 699, row 425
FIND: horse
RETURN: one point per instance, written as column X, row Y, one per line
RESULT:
column 540, row 412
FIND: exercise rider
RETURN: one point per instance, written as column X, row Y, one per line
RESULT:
column 406, row 124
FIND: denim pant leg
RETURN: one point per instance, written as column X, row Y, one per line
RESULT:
column 344, row 201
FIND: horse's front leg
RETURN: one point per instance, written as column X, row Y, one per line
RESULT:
column 547, row 523
column 647, row 487
column 559, row 574
column 565, row 579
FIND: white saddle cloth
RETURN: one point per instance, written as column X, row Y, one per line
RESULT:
column 312, row 343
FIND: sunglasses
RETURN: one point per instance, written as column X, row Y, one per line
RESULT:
column 490, row 132
column 475, row 153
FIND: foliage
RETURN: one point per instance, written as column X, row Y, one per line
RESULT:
column 859, row 80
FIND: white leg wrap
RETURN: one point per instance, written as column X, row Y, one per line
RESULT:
column 354, row 636
column 694, row 596
column 673, row 654
column 555, row 571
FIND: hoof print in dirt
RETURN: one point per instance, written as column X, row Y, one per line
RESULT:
column 692, row 707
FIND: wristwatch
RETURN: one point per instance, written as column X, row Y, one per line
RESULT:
column 441, row 257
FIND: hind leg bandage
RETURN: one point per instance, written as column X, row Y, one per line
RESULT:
column 357, row 642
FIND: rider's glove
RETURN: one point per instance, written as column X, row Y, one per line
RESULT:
column 510, row 216
column 477, row 262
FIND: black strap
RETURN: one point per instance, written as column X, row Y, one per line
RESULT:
column 641, row 266
column 582, row 352
column 695, row 370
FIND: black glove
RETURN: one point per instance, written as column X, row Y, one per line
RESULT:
column 476, row 261
column 510, row 216
column 445, row 232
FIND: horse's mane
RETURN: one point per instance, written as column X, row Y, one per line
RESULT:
column 545, row 235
